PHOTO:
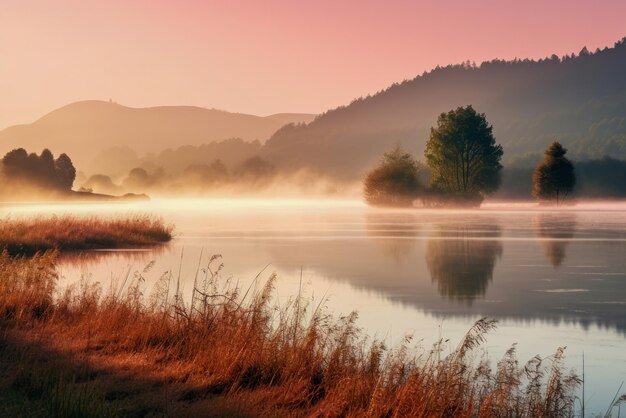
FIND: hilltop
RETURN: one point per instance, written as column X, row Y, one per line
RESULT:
column 84, row 129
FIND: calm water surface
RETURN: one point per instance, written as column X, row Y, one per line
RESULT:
column 550, row 278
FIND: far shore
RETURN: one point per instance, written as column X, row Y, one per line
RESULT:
column 19, row 237
column 74, row 197
column 291, row 201
column 105, row 197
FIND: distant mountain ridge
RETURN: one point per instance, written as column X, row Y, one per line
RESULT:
column 579, row 100
column 82, row 129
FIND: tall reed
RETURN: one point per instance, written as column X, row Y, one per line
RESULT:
column 70, row 233
column 292, row 360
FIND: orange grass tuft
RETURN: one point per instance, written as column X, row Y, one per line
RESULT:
column 71, row 233
column 231, row 351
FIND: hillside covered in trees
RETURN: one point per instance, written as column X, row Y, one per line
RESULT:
column 579, row 99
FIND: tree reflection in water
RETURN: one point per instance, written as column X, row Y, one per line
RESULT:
column 555, row 231
column 397, row 234
column 461, row 259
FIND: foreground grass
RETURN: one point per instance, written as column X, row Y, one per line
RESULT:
column 91, row 351
column 70, row 233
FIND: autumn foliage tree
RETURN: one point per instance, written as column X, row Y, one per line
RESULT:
column 395, row 181
column 554, row 178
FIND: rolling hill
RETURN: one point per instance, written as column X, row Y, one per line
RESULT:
column 83, row 129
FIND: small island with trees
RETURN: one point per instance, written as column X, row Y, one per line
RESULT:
column 28, row 175
column 463, row 165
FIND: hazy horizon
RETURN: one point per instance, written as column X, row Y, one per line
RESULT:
column 266, row 58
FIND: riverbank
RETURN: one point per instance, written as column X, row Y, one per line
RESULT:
column 121, row 349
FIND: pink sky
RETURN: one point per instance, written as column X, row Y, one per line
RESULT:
column 267, row 56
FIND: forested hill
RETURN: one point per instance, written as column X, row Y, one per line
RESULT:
column 578, row 99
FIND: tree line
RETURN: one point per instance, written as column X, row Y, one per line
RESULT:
column 464, row 163
column 253, row 172
column 42, row 171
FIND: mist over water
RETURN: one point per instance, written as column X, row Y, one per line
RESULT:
column 551, row 277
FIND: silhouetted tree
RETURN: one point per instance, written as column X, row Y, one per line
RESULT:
column 102, row 184
column 554, row 177
column 46, row 158
column 395, row 181
column 66, row 172
column 463, row 155
column 15, row 162
column 39, row 170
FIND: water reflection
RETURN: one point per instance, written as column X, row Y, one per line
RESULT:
column 95, row 258
column 395, row 234
column 443, row 264
column 461, row 260
column 108, row 267
column 555, row 230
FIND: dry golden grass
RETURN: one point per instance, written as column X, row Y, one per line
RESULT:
column 231, row 351
column 71, row 233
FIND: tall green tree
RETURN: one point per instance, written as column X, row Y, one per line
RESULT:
column 395, row 181
column 463, row 155
column 554, row 178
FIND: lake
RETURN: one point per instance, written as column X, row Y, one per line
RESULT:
column 551, row 278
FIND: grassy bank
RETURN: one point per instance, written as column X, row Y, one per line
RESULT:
column 130, row 351
column 71, row 233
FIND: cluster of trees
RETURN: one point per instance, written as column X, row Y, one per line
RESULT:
column 43, row 170
column 463, row 159
column 232, row 152
column 197, row 177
